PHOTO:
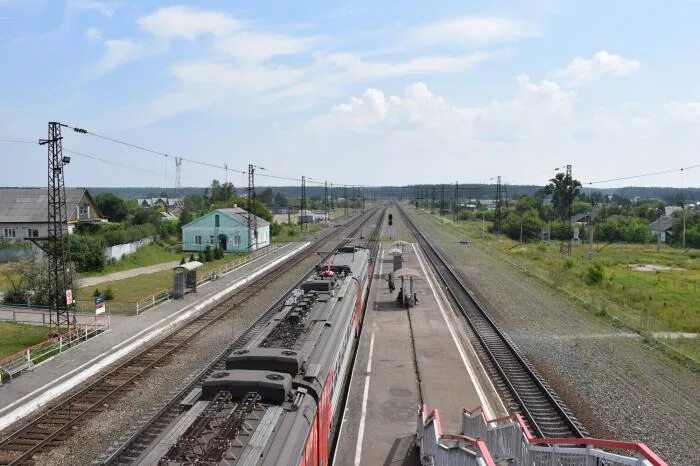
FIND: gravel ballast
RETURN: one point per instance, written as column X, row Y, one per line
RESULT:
column 616, row 385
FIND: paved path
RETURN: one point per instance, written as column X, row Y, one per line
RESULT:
column 48, row 379
column 110, row 277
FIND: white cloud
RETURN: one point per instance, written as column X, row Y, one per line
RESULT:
column 241, row 79
column 582, row 71
column 117, row 53
column 475, row 31
column 187, row 23
column 93, row 34
column 418, row 107
column 534, row 110
column 251, row 46
column 106, row 8
column 684, row 111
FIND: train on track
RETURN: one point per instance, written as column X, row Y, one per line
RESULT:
column 277, row 402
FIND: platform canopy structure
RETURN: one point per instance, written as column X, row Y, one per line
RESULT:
column 397, row 255
column 185, row 279
column 407, row 276
column 400, row 244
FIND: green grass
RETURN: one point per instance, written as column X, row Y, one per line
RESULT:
column 667, row 300
column 130, row 290
column 15, row 337
column 150, row 254
column 294, row 233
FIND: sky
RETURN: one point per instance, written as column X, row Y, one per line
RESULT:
column 366, row 93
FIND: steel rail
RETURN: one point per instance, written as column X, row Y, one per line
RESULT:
column 139, row 441
column 544, row 410
column 49, row 428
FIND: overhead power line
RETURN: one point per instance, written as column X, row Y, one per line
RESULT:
column 631, row 177
column 165, row 154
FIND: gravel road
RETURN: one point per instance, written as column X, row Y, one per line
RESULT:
column 616, row 386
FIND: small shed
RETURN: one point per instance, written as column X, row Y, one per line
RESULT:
column 407, row 275
column 185, row 279
column 397, row 254
column 662, row 228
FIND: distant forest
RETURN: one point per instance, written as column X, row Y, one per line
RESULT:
column 473, row 191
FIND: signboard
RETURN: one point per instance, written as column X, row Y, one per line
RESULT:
column 100, row 304
column 69, row 297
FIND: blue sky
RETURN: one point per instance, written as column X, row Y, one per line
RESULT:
column 354, row 92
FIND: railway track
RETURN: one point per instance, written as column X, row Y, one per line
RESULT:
column 543, row 409
column 133, row 447
column 56, row 425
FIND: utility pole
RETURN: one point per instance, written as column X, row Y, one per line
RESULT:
column 683, row 202
column 498, row 213
column 568, row 180
column 442, row 200
column 455, row 207
column 432, row 202
column 60, row 270
column 252, row 218
column 325, row 198
column 302, row 204
column 590, row 234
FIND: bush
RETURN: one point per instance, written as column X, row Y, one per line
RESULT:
column 208, row 255
column 595, row 274
column 218, row 253
column 109, row 294
column 16, row 296
column 569, row 263
column 182, row 261
column 275, row 229
column 200, row 258
column 466, row 215
column 191, row 257
column 96, row 293
column 87, row 253
column 629, row 230
column 531, row 226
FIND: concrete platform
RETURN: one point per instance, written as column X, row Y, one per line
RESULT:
column 35, row 388
column 406, row 358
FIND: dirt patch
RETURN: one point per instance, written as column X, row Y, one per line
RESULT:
column 651, row 267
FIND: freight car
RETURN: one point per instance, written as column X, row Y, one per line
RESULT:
column 277, row 401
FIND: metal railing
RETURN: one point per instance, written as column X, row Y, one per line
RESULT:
column 13, row 365
column 151, row 301
column 508, row 439
column 436, row 449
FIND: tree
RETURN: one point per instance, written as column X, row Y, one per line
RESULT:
column 113, row 207
column 564, row 190
column 87, row 253
column 267, row 197
column 280, row 200
column 28, row 279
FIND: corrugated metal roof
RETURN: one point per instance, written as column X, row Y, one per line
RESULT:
column 242, row 215
column 663, row 223
column 30, row 205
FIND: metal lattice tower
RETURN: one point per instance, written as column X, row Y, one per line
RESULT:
column 252, row 218
column 60, row 273
column 499, row 201
column 302, row 204
column 178, row 175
